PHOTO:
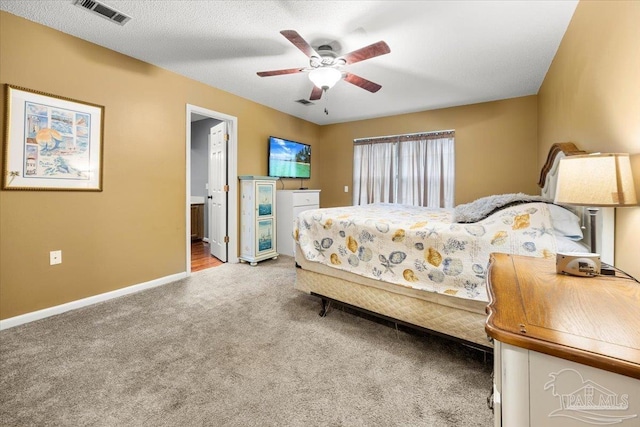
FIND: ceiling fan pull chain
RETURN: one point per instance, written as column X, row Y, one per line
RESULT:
column 326, row 101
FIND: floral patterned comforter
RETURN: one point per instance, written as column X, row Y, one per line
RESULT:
column 421, row 247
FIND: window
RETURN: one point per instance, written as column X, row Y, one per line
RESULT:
column 416, row 169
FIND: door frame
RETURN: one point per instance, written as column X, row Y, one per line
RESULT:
column 232, row 177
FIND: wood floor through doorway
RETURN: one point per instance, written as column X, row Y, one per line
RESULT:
column 201, row 257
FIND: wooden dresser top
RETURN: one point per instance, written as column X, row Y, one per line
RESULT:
column 590, row 320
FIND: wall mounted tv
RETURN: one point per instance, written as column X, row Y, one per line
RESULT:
column 289, row 159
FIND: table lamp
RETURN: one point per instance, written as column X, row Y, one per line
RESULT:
column 595, row 180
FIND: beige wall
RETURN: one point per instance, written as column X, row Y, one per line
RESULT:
column 591, row 96
column 133, row 231
column 496, row 147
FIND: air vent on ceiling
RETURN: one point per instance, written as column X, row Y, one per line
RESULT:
column 103, row 11
column 304, row 102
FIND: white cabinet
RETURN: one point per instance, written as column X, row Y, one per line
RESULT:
column 258, row 228
column 290, row 204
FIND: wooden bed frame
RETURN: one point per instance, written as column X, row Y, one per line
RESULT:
column 414, row 309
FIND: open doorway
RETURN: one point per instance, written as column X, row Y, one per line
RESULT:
column 211, row 177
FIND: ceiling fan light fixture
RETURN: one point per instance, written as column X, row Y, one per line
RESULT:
column 325, row 77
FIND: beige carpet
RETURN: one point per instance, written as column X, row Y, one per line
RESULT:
column 234, row 346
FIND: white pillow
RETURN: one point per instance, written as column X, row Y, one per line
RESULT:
column 565, row 222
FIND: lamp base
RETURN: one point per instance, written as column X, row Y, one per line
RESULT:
column 592, row 227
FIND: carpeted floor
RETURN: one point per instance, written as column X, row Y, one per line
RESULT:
column 234, row 346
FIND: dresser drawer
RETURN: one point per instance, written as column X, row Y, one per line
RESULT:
column 304, row 198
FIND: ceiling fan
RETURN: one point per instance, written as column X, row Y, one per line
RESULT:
column 324, row 64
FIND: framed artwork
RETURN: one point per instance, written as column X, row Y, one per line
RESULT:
column 51, row 142
column 265, row 199
column 265, row 235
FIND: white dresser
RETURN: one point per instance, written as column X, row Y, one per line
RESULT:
column 290, row 204
column 258, row 227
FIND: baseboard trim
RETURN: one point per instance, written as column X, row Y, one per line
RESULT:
column 73, row 305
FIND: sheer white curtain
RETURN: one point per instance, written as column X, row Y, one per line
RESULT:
column 374, row 172
column 448, row 171
column 440, row 173
column 416, row 171
column 412, row 173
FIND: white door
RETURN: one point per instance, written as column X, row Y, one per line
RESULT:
column 218, row 190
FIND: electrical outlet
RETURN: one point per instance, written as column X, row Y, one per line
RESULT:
column 346, row 188
column 55, row 257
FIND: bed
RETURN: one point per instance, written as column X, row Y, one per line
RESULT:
column 424, row 267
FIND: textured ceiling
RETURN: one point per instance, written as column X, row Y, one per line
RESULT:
column 443, row 53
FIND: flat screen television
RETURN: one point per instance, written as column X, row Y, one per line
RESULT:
column 289, row 159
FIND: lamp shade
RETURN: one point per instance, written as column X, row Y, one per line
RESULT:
column 325, row 77
column 595, row 180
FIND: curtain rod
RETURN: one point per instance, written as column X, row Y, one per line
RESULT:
column 407, row 136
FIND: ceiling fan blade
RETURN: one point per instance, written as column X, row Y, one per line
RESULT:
column 299, row 42
column 316, row 93
column 280, row 72
column 367, row 52
column 362, row 82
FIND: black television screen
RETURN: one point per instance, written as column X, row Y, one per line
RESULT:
column 289, row 159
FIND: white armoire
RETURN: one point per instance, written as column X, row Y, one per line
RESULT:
column 257, row 218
